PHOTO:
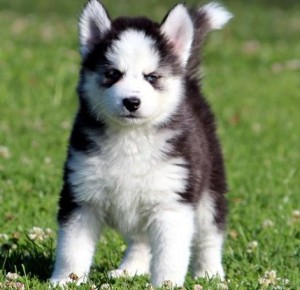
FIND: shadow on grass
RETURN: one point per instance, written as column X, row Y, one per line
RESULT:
column 27, row 259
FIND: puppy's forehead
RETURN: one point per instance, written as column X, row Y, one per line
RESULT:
column 134, row 50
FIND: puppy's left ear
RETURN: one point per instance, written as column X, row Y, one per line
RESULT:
column 178, row 28
column 94, row 22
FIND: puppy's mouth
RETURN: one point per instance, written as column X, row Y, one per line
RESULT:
column 130, row 116
column 131, row 119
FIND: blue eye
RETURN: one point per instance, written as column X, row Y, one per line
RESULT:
column 152, row 78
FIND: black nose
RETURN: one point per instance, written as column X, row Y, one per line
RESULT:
column 132, row 103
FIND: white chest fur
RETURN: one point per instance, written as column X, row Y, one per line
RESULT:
column 131, row 176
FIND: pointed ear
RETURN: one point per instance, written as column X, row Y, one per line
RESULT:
column 178, row 28
column 93, row 23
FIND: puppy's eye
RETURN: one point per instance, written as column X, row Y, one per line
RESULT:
column 152, row 78
column 111, row 76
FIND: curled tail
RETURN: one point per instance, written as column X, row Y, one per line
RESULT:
column 208, row 17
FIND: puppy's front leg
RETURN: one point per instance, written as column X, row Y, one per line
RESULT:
column 171, row 231
column 76, row 244
column 136, row 260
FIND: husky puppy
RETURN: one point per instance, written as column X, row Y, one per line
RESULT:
column 143, row 156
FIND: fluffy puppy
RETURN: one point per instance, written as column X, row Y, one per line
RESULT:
column 143, row 156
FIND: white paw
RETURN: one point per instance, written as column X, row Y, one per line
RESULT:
column 72, row 278
column 60, row 282
column 210, row 273
column 118, row 273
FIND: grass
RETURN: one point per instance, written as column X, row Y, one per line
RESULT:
column 252, row 81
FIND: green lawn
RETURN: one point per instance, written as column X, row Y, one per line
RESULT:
column 252, row 80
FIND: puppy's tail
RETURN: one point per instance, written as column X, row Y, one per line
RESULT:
column 208, row 17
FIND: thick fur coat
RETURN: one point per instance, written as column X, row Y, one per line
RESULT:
column 143, row 156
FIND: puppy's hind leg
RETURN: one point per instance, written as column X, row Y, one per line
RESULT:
column 136, row 260
column 207, row 258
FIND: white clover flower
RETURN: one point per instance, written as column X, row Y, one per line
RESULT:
column 4, row 152
column 271, row 275
column 264, row 281
column 296, row 214
column 11, row 276
column 36, row 233
column 4, row 237
column 47, row 160
column 39, row 234
column 105, row 286
column 149, row 286
column 168, row 284
column 19, row 285
column 198, row 287
column 270, row 279
column 252, row 246
column 223, row 285
column 285, row 281
column 12, row 285
column 267, row 224
column 48, row 233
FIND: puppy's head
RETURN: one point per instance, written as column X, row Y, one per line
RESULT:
column 132, row 68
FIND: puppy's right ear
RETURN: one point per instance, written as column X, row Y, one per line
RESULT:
column 178, row 28
column 93, row 23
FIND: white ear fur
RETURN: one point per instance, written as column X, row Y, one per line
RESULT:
column 178, row 27
column 217, row 15
column 93, row 23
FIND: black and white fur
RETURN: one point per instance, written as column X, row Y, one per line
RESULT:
column 143, row 155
